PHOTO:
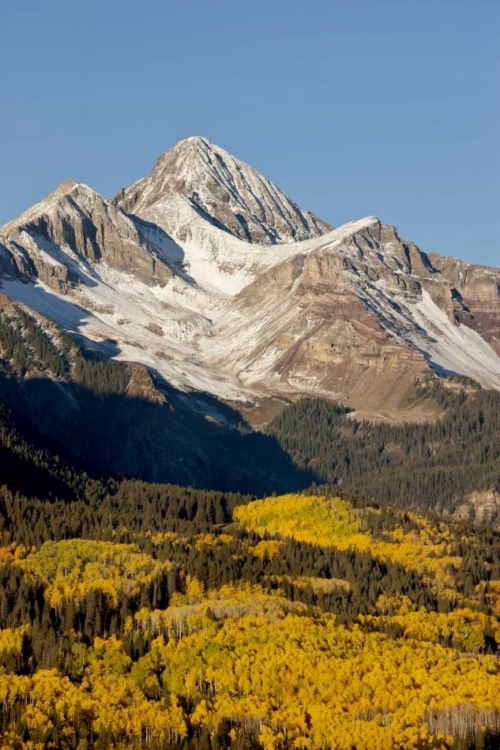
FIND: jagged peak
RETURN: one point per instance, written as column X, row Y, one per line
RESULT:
column 194, row 140
column 200, row 145
column 66, row 186
column 194, row 159
column 69, row 187
column 224, row 189
column 79, row 192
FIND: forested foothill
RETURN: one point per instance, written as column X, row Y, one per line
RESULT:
column 352, row 613
column 135, row 615
column 428, row 466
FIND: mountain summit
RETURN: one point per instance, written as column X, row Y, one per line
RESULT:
column 210, row 276
column 224, row 190
column 59, row 239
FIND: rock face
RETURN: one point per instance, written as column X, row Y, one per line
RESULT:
column 75, row 226
column 477, row 290
column 224, row 191
column 480, row 508
column 207, row 274
column 357, row 315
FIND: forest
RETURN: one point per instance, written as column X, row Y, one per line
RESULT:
column 428, row 466
column 348, row 610
column 141, row 615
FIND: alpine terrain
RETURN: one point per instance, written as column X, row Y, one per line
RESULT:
column 149, row 336
column 208, row 275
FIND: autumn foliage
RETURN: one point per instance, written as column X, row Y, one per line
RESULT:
column 329, row 626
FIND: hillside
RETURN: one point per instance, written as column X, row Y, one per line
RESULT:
column 450, row 466
column 136, row 614
column 117, row 419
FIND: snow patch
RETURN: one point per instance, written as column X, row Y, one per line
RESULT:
column 454, row 348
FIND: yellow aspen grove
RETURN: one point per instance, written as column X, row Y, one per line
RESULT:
column 306, row 622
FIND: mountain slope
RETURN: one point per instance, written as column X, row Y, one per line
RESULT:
column 207, row 274
column 451, row 466
column 357, row 314
column 117, row 418
column 478, row 288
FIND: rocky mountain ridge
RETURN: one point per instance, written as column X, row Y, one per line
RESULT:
column 207, row 274
column 74, row 225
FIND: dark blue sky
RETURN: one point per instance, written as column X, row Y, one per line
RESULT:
column 352, row 107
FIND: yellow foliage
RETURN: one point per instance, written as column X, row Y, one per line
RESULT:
column 108, row 700
column 272, row 669
column 332, row 522
column 318, row 585
column 319, row 684
column 463, row 629
column 13, row 552
column 198, row 541
column 311, row 519
column 212, row 540
column 11, row 640
column 72, row 568
column 193, row 592
column 266, row 548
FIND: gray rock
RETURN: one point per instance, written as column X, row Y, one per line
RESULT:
column 226, row 191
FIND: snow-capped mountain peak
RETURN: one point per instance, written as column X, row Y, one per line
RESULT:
column 207, row 273
column 231, row 194
column 69, row 189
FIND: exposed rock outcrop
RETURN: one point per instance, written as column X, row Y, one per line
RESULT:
column 480, row 508
column 477, row 295
column 75, row 225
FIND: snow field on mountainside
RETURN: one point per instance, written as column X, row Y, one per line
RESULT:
column 217, row 325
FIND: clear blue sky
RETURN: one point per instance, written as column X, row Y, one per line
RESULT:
column 353, row 107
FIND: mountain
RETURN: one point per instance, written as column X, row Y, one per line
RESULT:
column 212, row 278
column 478, row 287
column 223, row 190
column 147, row 598
column 60, row 239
